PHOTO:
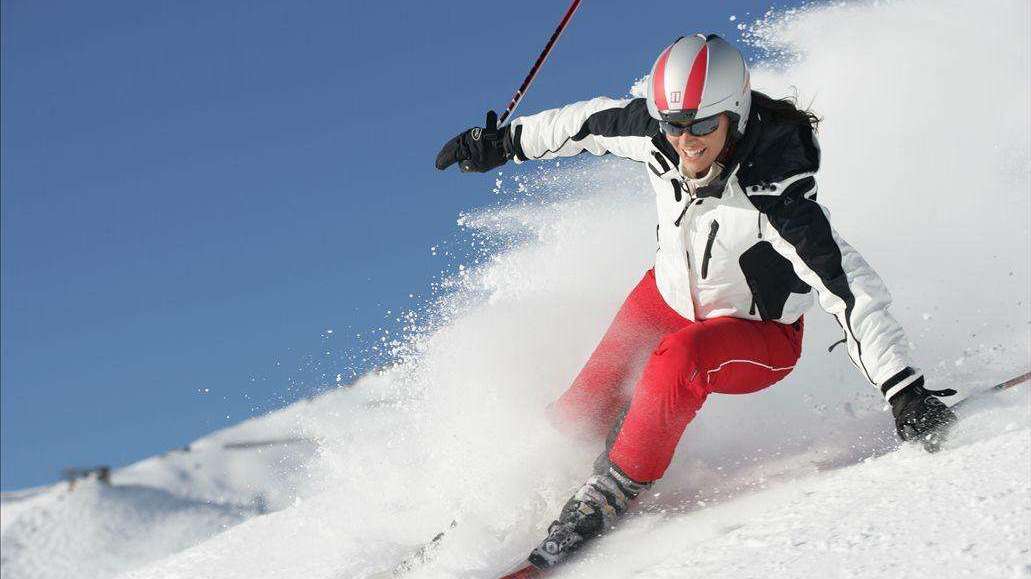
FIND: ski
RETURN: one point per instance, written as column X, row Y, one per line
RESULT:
column 417, row 558
column 524, row 570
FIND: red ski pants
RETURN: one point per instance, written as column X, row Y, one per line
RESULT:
column 687, row 362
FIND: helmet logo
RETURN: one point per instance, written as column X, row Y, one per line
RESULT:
column 674, row 97
column 476, row 133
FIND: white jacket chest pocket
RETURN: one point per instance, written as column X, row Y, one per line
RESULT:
column 708, row 231
column 718, row 238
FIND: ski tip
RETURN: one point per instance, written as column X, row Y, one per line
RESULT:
column 524, row 570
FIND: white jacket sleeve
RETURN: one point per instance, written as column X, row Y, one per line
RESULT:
column 598, row 126
column 848, row 288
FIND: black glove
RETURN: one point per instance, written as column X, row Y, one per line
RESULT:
column 479, row 149
column 921, row 415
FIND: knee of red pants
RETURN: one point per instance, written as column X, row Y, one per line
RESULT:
column 676, row 362
column 666, row 399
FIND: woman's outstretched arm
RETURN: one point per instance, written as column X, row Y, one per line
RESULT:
column 599, row 126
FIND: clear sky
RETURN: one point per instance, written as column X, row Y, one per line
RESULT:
column 195, row 192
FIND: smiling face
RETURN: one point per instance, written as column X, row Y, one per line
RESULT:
column 697, row 154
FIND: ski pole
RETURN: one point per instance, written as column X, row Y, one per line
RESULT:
column 1013, row 381
column 518, row 96
column 994, row 389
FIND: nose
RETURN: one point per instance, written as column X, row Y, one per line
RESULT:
column 686, row 139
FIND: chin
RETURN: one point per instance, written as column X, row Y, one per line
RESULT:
column 695, row 167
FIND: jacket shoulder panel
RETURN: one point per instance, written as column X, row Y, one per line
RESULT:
column 782, row 149
column 631, row 120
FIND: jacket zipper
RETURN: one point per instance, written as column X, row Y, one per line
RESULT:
column 687, row 206
column 713, row 228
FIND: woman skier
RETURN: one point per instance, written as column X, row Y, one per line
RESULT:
column 742, row 243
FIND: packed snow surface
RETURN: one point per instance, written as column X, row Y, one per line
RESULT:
column 926, row 171
column 160, row 505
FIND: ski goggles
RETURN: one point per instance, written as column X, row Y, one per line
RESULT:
column 698, row 128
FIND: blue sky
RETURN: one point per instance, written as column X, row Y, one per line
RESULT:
column 194, row 192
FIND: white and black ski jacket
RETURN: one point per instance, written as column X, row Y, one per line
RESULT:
column 751, row 244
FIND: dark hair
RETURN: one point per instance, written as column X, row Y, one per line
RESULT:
column 785, row 109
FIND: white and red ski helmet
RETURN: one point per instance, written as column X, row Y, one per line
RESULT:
column 699, row 76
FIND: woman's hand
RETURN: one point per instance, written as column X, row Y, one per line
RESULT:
column 921, row 415
column 479, row 149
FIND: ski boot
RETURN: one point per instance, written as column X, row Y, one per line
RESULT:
column 594, row 508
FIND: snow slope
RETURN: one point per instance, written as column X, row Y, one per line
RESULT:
column 160, row 505
column 926, row 171
column 129, row 524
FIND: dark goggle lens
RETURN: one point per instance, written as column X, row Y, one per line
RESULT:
column 699, row 128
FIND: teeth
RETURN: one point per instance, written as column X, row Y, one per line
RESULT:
column 694, row 153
